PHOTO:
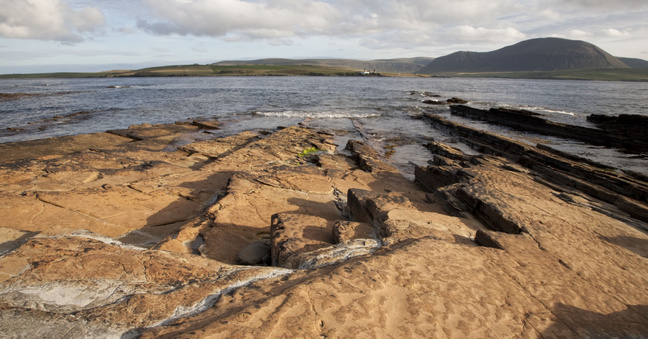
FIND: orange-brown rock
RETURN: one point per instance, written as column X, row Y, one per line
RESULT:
column 144, row 236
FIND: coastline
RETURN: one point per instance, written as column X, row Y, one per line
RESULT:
column 604, row 74
column 167, row 230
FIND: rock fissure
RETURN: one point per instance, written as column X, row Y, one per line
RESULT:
column 71, row 210
column 368, row 250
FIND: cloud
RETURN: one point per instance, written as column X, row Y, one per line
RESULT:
column 281, row 19
column 47, row 20
column 615, row 33
column 578, row 34
column 470, row 33
column 615, row 5
column 549, row 14
column 273, row 19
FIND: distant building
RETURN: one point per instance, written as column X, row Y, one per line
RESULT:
column 367, row 72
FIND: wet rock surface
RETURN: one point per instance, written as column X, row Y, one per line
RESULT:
column 168, row 231
column 626, row 131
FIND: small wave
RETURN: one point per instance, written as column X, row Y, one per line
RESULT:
column 320, row 115
column 544, row 110
column 558, row 112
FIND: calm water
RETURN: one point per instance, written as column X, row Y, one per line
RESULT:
column 382, row 108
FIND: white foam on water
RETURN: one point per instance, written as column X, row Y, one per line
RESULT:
column 321, row 115
column 538, row 109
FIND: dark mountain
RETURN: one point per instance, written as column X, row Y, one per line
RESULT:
column 634, row 62
column 544, row 54
column 402, row 65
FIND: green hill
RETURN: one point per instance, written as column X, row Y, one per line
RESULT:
column 543, row 54
column 634, row 62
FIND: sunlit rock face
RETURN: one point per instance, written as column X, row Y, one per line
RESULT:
column 166, row 230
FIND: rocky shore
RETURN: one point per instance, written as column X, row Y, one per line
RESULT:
column 166, row 231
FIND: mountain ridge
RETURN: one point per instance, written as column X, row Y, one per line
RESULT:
column 541, row 54
column 634, row 62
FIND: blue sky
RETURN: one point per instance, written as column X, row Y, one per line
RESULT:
column 94, row 35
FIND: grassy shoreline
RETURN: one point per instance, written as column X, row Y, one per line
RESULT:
column 199, row 70
column 626, row 74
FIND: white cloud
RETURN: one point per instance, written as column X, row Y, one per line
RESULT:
column 470, row 33
column 615, row 5
column 47, row 20
column 615, row 33
column 273, row 19
column 550, row 14
column 578, row 34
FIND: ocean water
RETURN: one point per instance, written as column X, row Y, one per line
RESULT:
column 383, row 111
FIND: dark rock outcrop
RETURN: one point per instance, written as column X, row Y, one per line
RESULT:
column 624, row 191
column 632, row 128
column 627, row 132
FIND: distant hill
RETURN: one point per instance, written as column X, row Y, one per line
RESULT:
column 634, row 63
column 402, row 65
column 543, row 54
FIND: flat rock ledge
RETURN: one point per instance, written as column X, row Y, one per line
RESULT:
column 169, row 231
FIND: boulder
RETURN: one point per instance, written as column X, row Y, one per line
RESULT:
column 344, row 231
column 256, row 253
column 294, row 234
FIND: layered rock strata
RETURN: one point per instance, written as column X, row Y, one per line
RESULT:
column 626, row 132
column 171, row 231
column 627, row 192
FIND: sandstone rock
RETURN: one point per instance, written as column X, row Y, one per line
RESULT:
column 295, row 234
column 367, row 158
column 218, row 147
column 256, row 253
column 446, row 151
column 344, row 231
column 106, row 287
column 336, row 254
column 436, row 177
column 207, row 124
column 58, row 146
column 577, row 267
column 555, row 168
column 147, row 131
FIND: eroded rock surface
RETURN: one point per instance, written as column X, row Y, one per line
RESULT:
column 168, row 231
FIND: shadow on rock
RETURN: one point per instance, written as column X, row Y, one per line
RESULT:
column 629, row 323
column 636, row 245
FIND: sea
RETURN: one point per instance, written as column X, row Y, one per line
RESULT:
column 384, row 111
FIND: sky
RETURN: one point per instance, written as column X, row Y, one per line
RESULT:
column 96, row 35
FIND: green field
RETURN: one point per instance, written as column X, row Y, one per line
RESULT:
column 201, row 70
column 625, row 74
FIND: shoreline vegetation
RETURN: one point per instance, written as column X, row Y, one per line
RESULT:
column 604, row 74
column 200, row 70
